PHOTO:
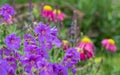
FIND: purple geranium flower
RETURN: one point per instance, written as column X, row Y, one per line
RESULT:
column 7, row 11
column 3, row 67
column 12, row 41
column 29, row 40
column 71, row 58
column 43, row 30
column 47, row 36
column 55, row 40
column 59, row 69
column 33, row 49
column 46, row 67
column 5, row 51
column 30, row 61
column 12, row 63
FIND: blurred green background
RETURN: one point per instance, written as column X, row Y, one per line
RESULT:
column 100, row 19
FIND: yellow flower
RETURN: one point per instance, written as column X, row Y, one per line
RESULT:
column 111, row 41
column 65, row 42
column 56, row 11
column 86, row 40
column 47, row 7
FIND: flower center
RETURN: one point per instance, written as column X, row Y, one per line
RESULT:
column 47, row 7
column 65, row 42
column 56, row 11
column 111, row 41
column 86, row 40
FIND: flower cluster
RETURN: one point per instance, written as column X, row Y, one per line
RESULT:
column 30, row 56
column 6, row 12
column 71, row 58
column 47, row 36
column 34, row 59
column 86, row 48
column 48, row 13
column 9, row 55
column 109, row 45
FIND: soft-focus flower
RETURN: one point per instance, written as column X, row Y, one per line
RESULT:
column 43, row 30
column 6, row 12
column 12, row 63
column 65, row 45
column 47, row 36
column 30, row 61
column 85, row 55
column 29, row 40
column 58, row 15
column 54, row 38
column 12, row 41
column 71, row 58
column 32, row 49
column 16, row 55
column 5, row 51
column 86, row 48
column 109, row 44
column 3, row 67
column 59, row 69
column 46, row 67
column 47, row 12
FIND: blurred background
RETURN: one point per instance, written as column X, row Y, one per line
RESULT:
column 97, row 19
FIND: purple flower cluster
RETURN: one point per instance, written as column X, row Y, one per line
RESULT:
column 9, row 55
column 47, row 36
column 71, row 58
column 12, row 41
column 29, row 40
column 6, row 12
column 8, row 65
column 35, row 58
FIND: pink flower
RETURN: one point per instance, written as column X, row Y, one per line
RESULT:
column 86, row 48
column 59, row 15
column 109, row 45
column 65, row 45
column 47, row 12
column 84, row 54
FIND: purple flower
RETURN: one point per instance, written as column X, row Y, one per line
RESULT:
column 29, row 40
column 54, row 31
column 3, row 67
column 71, row 58
column 12, row 63
column 32, row 49
column 3, row 71
column 43, row 30
column 46, row 44
column 43, row 53
column 59, row 69
column 5, row 51
column 6, row 12
column 30, row 61
column 12, row 41
column 55, row 40
column 47, row 36
column 46, row 67
column 16, row 55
